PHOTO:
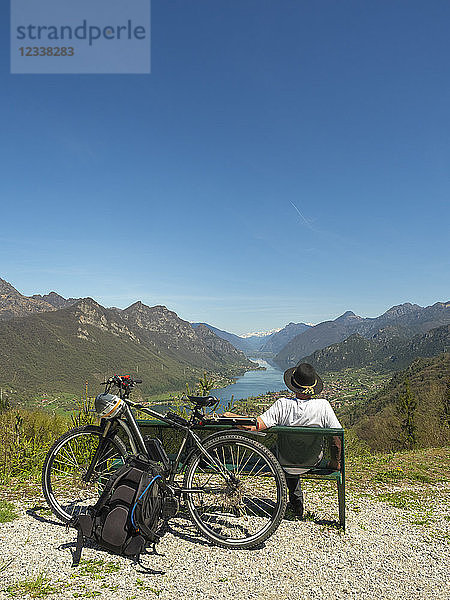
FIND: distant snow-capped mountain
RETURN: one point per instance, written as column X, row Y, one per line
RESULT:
column 260, row 333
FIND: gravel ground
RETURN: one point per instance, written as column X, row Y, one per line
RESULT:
column 382, row 555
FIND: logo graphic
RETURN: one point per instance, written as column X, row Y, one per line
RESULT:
column 80, row 36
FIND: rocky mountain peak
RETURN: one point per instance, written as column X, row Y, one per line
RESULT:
column 90, row 313
column 7, row 288
column 88, row 303
column 14, row 304
column 140, row 307
column 55, row 300
column 156, row 319
column 401, row 309
column 347, row 316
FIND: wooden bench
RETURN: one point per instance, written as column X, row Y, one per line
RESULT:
column 268, row 438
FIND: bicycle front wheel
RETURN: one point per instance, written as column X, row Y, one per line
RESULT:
column 236, row 496
column 66, row 464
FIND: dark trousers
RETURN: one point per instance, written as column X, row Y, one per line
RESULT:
column 295, row 489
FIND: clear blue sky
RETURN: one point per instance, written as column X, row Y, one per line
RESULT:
column 284, row 161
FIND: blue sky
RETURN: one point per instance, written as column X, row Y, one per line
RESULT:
column 284, row 161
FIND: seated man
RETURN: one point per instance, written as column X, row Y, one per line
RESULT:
column 301, row 411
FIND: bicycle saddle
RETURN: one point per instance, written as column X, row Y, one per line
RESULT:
column 203, row 400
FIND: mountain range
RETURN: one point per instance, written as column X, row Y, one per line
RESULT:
column 50, row 349
column 50, row 343
column 246, row 345
column 405, row 320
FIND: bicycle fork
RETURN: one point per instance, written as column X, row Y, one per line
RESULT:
column 98, row 452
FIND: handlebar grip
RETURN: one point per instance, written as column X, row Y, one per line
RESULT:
column 137, row 380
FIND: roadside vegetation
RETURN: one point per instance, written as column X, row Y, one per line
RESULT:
column 28, row 434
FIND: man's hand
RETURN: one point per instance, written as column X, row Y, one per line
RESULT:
column 261, row 425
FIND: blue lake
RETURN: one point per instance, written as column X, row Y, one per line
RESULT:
column 252, row 383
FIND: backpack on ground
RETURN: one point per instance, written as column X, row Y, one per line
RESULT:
column 128, row 513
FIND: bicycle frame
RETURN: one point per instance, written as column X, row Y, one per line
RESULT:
column 127, row 422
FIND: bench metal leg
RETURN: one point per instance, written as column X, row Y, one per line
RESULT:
column 341, row 498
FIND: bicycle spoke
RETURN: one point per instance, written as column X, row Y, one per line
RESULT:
column 240, row 508
column 66, row 465
column 244, row 465
column 68, row 459
column 253, row 502
column 257, row 473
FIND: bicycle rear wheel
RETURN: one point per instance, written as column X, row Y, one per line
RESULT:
column 238, row 499
column 67, row 462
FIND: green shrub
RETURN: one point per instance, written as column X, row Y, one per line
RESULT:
column 26, row 436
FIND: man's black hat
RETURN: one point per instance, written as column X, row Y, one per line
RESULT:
column 304, row 379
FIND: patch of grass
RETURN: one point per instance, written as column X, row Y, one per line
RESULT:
column 422, row 520
column 141, row 585
column 390, row 475
column 96, row 569
column 26, row 436
column 36, row 587
column 112, row 588
column 420, row 477
column 7, row 511
column 404, row 499
column 430, row 466
column 42, row 511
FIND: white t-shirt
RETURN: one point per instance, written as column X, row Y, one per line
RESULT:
column 303, row 451
column 293, row 412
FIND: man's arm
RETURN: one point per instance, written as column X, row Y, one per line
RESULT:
column 259, row 427
column 335, row 443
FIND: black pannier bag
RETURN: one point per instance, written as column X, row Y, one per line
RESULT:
column 128, row 513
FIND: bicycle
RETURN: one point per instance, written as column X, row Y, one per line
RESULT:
column 232, row 485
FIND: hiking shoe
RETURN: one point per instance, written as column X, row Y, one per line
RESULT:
column 297, row 508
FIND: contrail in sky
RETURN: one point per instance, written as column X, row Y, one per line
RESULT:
column 302, row 216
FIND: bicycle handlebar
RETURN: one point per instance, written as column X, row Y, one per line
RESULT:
column 121, row 381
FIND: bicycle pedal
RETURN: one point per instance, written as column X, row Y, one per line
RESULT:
column 170, row 508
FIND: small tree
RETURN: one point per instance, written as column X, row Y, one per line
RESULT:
column 406, row 406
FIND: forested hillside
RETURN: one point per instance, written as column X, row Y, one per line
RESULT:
column 387, row 350
column 413, row 410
